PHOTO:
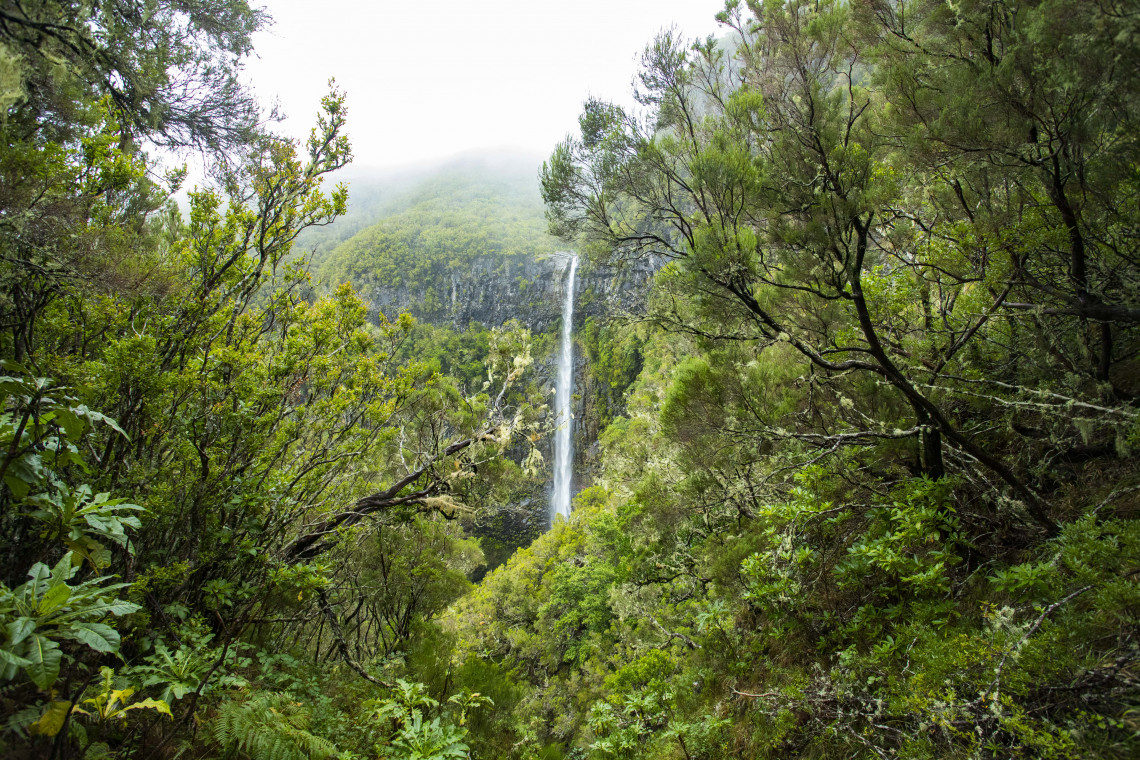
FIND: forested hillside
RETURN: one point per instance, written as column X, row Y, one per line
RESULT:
column 462, row 227
column 862, row 465
column 503, row 181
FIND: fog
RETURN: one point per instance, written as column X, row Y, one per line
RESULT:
column 427, row 82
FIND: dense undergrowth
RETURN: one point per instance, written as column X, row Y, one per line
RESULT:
column 867, row 612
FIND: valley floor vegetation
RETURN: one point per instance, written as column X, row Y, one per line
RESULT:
column 867, row 485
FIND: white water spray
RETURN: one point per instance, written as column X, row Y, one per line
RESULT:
column 564, row 386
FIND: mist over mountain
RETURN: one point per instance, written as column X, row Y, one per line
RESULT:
column 500, row 182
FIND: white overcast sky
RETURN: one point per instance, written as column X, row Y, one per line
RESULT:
column 430, row 80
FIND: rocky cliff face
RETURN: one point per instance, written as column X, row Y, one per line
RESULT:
column 494, row 289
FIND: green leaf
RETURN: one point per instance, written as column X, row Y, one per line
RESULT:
column 64, row 570
column 12, row 386
column 39, row 573
column 98, row 636
column 15, row 483
column 73, row 456
column 8, row 670
column 19, row 629
column 71, row 423
column 148, row 703
column 97, row 751
column 55, row 598
column 12, row 660
column 12, row 365
column 115, row 607
column 97, row 417
column 44, row 656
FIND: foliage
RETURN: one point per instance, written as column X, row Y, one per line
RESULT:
column 872, row 490
column 268, row 727
column 114, row 704
column 419, row 740
column 414, row 736
column 882, row 410
column 46, row 609
column 614, row 353
column 169, row 69
column 266, row 479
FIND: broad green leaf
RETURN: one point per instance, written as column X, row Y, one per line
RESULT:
column 71, row 423
column 19, row 629
column 115, row 607
column 74, row 458
column 121, row 696
column 25, row 471
column 39, row 572
column 64, row 570
column 90, row 550
column 98, row 636
column 8, row 670
column 94, row 586
column 13, row 386
column 16, row 484
column 97, row 751
column 97, row 417
column 44, row 656
column 149, row 704
column 99, row 555
column 55, row 598
column 14, row 366
column 10, row 659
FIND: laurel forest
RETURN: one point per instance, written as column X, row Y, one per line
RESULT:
column 854, row 468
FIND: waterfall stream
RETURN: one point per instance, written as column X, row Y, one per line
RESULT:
column 563, row 390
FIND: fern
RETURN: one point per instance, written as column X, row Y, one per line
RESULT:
column 268, row 726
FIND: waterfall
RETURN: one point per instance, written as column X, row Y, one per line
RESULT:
column 563, row 389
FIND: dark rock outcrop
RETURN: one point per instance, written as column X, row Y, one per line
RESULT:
column 492, row 290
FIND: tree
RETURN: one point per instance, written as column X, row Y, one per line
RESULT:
column 169, row 69
column 1055, row 132
column 779, row 184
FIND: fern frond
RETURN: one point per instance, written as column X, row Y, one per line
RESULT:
column 268, row 726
